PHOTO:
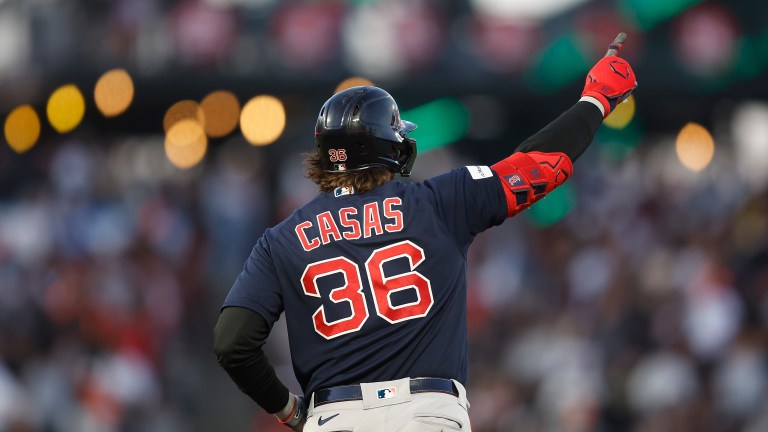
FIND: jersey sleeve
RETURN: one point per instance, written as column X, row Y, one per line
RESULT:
column 257, row 287
column 468, row 200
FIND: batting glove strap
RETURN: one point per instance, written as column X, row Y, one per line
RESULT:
column 610, row 81
column 294, row 414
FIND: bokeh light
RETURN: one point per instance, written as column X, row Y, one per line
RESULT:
column 616, row 145
column 183, row 110
column 441, row 122
column 114, row 92
column 749, row 127
column 523, row 10
column 647, row 13
column 554, row 207
column 353, row 82
column 620, row 117
column 370, row 39
column 221, row 110
column 262, row 120
column 186, row 143
column 560, row 63
column 706, row 40
column 22, row 128
column 694, row 147
column 66, row 108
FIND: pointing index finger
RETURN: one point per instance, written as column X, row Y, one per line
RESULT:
column 615, row 47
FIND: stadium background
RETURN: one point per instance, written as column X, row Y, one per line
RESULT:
column 635, row 298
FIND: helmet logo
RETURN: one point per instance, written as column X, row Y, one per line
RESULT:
column 337, row 155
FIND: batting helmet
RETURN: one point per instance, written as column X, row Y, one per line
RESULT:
column 360, row 128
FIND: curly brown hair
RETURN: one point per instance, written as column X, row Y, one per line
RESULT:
column 362, row 180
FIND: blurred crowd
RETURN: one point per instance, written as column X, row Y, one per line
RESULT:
column 645, row 310
column 642, row 310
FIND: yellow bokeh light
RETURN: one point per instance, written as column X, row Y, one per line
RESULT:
column 66, row 108
column 222, row 112
column 186, row 143
column 114, row 92
column 262, row 120
column 694, row 146
column 353, row 82
column 183, row 110
column 620, row 117
column 22, row 128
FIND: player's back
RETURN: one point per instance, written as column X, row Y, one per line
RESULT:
column 374, row 284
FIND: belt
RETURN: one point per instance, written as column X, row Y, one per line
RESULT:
column 354, row 392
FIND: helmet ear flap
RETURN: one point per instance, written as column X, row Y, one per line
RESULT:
column 407, row 156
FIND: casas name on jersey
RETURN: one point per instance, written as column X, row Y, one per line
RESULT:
column 349, row 223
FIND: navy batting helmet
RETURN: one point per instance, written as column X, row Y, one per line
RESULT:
column 360, row 128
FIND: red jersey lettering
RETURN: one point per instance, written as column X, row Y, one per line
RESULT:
column 372, row 220
column 327, row 227
column 307, row 244
column 347, row 222
column 391, row 213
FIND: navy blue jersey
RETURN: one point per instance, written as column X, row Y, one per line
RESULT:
column 374, row 285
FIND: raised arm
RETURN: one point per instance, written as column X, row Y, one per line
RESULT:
column 545, row 160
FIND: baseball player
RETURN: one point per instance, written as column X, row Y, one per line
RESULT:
column 371, row 274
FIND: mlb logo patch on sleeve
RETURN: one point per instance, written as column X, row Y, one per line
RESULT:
column 479, row 172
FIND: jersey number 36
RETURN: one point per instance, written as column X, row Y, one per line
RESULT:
column 381, row 286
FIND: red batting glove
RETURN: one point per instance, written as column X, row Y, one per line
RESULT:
column 610, row 81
